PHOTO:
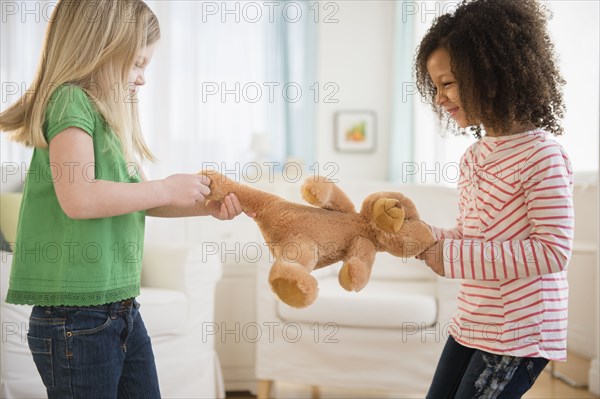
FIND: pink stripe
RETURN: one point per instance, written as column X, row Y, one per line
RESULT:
column 462, row 263
column 479, row 296
column 524, row 307
column 480, row 314
column 523, row 297
column 504, row 262
column 535, row 260
column 493, row 262
column 480, row 305
column 537, row 208
column 551, row 243
column 559, row 299
column 546, row 278
column 522, row 217
column 524, row 258
column 492, row 349
column 556, row 320
column 513, row 213
column 534, row 176
column 557, row 226
column 451, row 260
column 509, row 282
column 537, row 190
column 523, row 286
column 472, row 260
column 554, row 330
column 482, row 260
column 481, row 287
column 514, row 261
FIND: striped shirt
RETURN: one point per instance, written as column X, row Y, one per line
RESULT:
column 511, row 246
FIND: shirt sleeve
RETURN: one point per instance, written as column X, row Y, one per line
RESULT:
column 443, row 234
column 547, row 182
column 69, row 106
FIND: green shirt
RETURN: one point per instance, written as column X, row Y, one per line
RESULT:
column 63, row 261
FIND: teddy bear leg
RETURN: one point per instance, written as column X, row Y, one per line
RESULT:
column 293, row 283
column 356, row 271
column 321, row 192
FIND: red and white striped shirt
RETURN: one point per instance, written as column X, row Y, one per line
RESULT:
column 511, row 246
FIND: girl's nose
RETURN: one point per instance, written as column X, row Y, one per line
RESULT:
column 440, row 97
column 141, row 80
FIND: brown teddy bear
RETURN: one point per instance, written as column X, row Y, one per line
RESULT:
column 303, row 238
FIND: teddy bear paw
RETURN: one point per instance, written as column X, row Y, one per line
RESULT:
column 293, row 284
column 354, row 274
column 317, row 191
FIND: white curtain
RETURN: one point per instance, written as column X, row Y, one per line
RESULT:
column 199, row 104
column 22, row 28
column 221, row 84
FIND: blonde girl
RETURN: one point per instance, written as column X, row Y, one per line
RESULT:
column 80, row 238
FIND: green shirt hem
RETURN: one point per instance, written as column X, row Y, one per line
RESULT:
column 71, row 298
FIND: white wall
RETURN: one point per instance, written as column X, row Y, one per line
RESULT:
column 356, row 54
column 574, row 28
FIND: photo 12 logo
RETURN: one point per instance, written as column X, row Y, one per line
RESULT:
column 27, row 11
column 270, row 331
column 270, row 11
column 270, row 92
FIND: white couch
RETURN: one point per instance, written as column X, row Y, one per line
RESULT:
column 177, row 303
column 386, row 337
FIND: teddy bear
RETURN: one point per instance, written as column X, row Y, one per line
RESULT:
column 303, row 238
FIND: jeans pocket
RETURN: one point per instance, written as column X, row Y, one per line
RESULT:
column 84, row 322
column 41, row 349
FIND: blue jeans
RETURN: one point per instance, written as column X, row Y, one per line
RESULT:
column 470, row 373
column 93, row 351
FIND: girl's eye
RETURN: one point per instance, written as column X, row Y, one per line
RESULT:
column 447, row 84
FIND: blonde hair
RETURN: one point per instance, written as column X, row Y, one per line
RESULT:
column 92, row 45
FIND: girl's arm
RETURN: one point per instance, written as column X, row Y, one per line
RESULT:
column 80, row 197
column 455, row 232
column 547, row 182
column 228, row 209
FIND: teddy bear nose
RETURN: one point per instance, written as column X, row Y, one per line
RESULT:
column 388, row 214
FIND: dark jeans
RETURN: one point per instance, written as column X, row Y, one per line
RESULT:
column 93, row 351
column 470, row 373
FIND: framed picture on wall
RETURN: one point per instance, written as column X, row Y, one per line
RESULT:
column 354, row 131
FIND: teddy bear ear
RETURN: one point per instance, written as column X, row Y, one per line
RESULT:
column 388, row 214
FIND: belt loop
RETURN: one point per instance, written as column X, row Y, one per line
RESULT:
column 114, row 309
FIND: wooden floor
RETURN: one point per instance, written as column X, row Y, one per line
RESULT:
column 546, row 387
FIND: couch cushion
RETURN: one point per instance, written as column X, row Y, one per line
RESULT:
column 164, row 311
column 381, row 304
column 388, row 266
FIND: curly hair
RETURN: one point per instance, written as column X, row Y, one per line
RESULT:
column 503, row 61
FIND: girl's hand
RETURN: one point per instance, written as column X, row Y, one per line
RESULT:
column 434, row 257
column 185, row 190
column 226, row 210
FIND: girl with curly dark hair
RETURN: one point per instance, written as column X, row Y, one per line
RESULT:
column 490, row 66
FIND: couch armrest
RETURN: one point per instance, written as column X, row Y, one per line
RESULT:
column 186, row 269
column 178, row 267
